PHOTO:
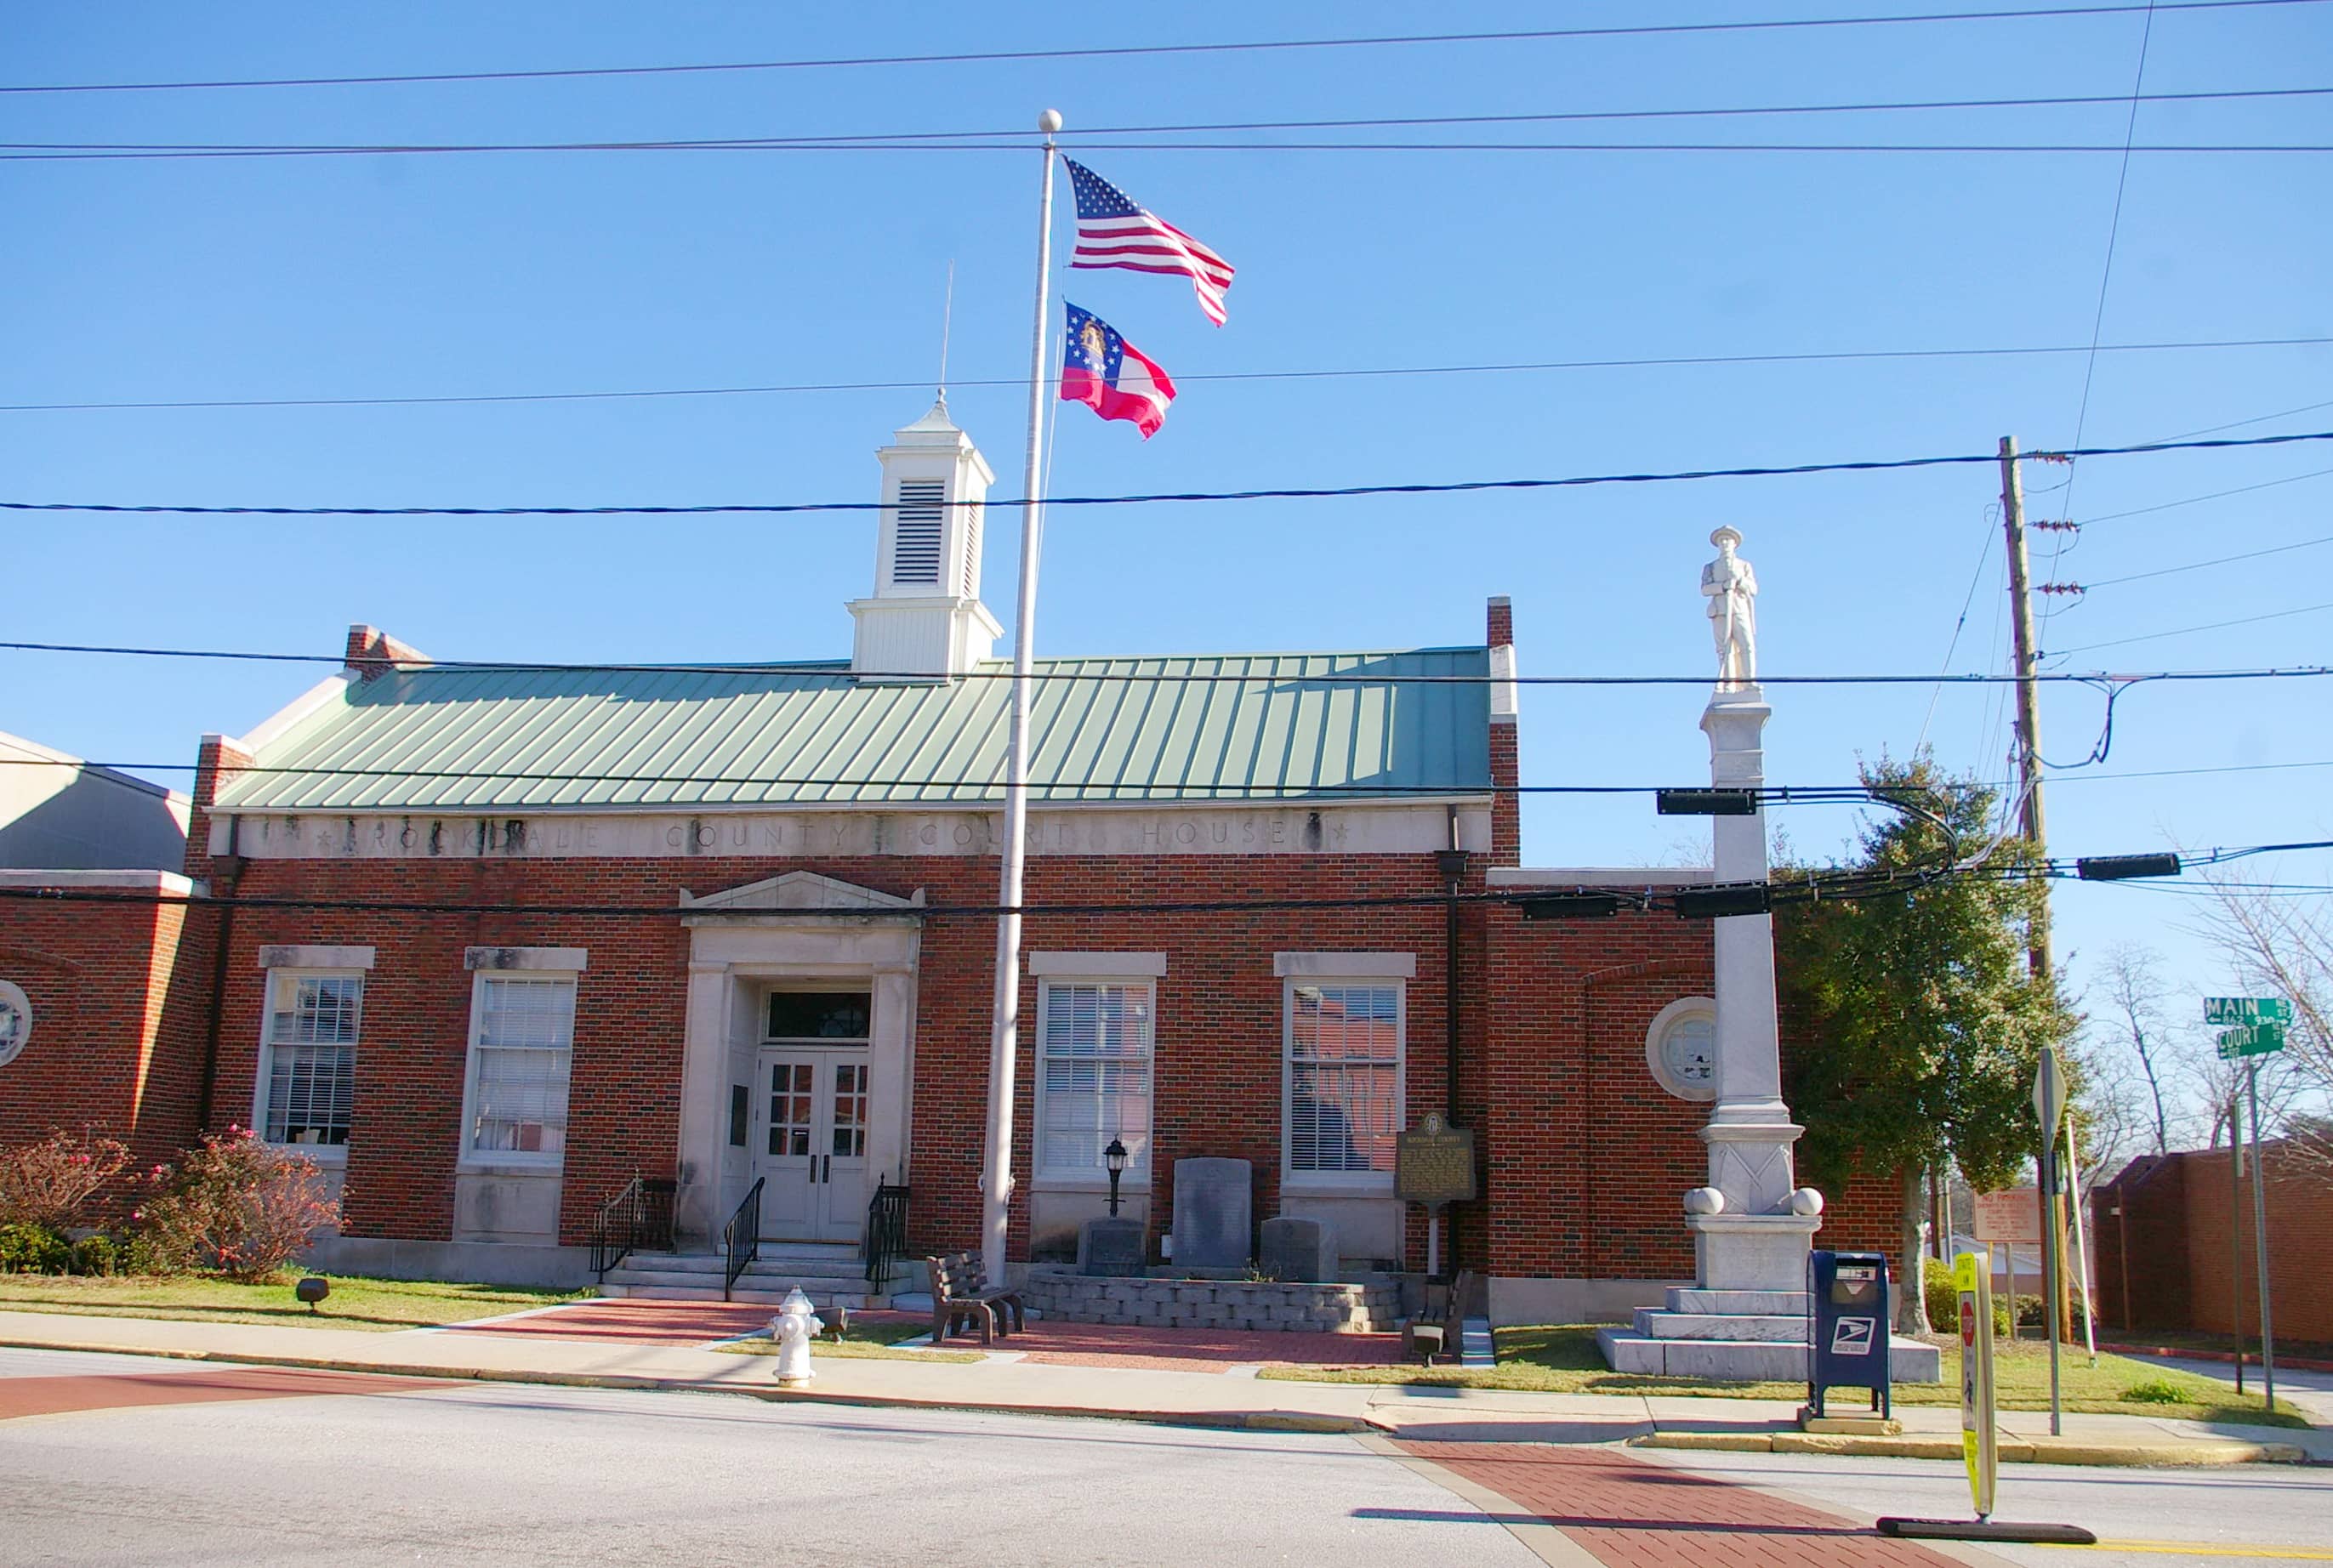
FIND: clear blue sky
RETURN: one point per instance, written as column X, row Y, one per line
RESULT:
column 405, row 276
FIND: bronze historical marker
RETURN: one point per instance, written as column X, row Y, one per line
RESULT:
column 1434, row 1163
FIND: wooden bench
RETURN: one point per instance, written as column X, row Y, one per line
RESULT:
column 1436, row 1329
column 961, row 1295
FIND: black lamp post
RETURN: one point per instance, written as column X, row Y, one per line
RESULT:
column 1114, row 1157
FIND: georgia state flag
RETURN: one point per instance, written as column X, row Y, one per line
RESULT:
column 1111, row 375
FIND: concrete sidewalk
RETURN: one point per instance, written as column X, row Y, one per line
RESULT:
column 1189, row 1398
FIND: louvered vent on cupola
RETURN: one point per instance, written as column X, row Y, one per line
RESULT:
column 972, row 550
column 919, row 522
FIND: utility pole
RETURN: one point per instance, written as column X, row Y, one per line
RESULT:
column 2037, row 957
column 2029, row 714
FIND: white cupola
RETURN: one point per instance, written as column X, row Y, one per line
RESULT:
column 926, row 621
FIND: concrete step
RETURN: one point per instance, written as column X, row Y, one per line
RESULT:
column 1474, row 1345
column 818, row 1286
column 1758, row 1303
column 750, row 1293
column 820, row 1261
column 1766, row 1329
column 769, row 1265
column 1748, row 1360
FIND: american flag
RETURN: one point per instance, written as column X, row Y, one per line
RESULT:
column 1112, row 232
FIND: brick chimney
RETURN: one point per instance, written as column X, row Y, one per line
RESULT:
column 372, row 652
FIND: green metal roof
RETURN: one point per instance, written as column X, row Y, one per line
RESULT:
column 1246, row 726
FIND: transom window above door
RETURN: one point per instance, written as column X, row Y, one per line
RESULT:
column 818, row 1015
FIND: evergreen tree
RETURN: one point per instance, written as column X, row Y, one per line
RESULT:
column 1917, row 1025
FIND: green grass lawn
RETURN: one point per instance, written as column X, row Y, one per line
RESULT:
column 1562, row 1358
column 865, row 1342
column 380, row 1304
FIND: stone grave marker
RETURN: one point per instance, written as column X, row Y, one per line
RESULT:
column 1297, row 1249
column 1213, row 1213
column 1110, row 1247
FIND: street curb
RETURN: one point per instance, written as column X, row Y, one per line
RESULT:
column 2224, row 1357
column 2012, row 1450
column 1232, row 1420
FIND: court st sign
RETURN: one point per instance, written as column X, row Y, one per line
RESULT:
column 2252, row 1040
column 2250, row 1026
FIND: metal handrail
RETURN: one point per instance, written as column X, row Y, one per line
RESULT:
column 886, row 1233
column 616, row 1228
column 741, row 1238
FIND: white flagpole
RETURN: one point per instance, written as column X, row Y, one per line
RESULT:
column 996, row 1176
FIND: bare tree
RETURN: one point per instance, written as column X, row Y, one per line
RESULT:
column 2111, row 1121
column 2280, row 945
column 2133, row 1017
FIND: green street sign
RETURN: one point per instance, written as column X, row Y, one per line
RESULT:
column 2251, row 1040
column 2226, row 1011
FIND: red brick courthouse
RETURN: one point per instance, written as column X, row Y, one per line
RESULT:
column 719, row 926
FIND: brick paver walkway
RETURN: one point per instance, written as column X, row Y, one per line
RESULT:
column 51, row 1396
column 1124, row 1346
column 631, row 1320
column 1628, row 1513
column 1138, row 1347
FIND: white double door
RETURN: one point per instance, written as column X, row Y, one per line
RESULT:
column 810, row 1143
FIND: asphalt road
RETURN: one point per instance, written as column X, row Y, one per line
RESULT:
column 2242, row 1513
column 502, row 1475
column 118, row 1459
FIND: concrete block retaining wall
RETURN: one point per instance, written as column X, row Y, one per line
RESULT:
column 1068, row 1297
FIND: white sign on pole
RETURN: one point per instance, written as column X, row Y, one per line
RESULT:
column 2012, row 1215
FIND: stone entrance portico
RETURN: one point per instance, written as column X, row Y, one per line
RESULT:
column 745, row 941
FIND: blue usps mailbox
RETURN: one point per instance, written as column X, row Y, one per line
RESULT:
column 1848, row 1326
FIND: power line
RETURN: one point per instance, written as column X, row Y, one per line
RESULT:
column 2217, row 560
column 1152, row 50
column 2239, row 424
column 1786, row 793
column 1953, row 646
column 1654, row 362
column 2105, row 278
column 844, row 673
column 2183, row 631
column 2214, row 495
column 1834, row 885
column 1956, row 148
column 2085, row 777
column 901, row 140
column 1868, row 466
column 1070, row 789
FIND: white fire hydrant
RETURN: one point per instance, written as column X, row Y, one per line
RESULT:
column 793, row 1328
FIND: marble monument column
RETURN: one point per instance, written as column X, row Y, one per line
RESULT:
column 1752, row 1224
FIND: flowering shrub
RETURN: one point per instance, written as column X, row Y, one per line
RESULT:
column 237, row 1205
column 53, row 1182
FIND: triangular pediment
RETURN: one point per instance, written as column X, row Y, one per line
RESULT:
column 798, row 890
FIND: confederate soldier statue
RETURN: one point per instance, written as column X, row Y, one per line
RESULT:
column 1731, row 590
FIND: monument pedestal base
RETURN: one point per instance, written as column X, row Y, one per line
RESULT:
column 1745, row 1320
column 1752, row 1251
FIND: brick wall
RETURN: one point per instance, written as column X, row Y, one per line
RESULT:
column 1218, row 1020
column 115, row 1047
column 2179, row 1254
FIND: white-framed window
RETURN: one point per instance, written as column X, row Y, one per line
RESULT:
column 1681, row 1048
column 1094, row 1037
column 307, row 1076
column 1343, row 1064
column 522, row 1052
